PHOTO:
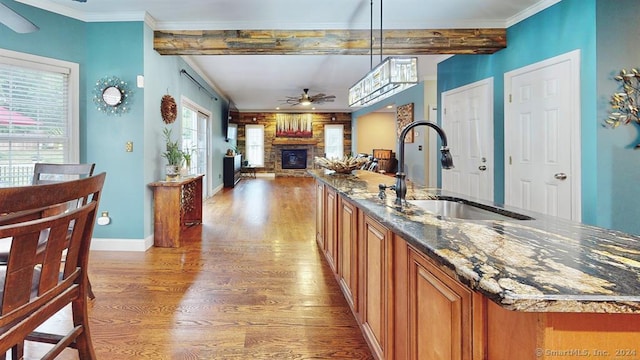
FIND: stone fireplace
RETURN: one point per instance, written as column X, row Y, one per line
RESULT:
column 294, row 156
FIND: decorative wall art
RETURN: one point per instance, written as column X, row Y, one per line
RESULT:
column 168, row 109
column 625, row 103
column 112, row 95
column 294, row 125
column 404, row 114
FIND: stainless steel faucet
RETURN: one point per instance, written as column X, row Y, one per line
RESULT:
column 400, row 186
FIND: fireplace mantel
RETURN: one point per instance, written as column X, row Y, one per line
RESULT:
column 295, row 142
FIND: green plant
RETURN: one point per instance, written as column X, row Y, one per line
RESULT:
column 173, row 154
column 186, row 155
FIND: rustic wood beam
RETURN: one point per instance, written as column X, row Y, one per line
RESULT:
column 328, row 42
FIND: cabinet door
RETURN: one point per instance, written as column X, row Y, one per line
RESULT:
column 331, row 227
column 320, row 214
column 440, row 313
column 376, row 287
column 348, row 251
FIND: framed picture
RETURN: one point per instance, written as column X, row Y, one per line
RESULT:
column 294, row 125
column 404, row 114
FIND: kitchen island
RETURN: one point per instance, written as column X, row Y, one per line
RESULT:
column 432, row 287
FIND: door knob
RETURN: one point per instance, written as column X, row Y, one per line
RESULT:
column 560, row 176
column 482, row 168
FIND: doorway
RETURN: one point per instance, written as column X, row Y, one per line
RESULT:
column 195, row 140
column 542, row 137
column 467, row 119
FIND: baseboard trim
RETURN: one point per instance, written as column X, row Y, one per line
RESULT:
column 102, row 244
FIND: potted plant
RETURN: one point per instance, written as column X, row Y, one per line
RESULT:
column 173, row 154
column 186, row 155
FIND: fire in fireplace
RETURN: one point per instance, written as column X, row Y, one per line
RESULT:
column 294, row 159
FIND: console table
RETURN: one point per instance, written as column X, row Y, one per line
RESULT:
column 177, row 205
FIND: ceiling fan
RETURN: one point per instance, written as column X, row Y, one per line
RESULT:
column 305, row 99
column 17, row 22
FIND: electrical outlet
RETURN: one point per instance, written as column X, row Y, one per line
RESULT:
column 129, row 146
column 419, row 147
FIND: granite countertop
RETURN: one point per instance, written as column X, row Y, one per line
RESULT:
column 542, row 265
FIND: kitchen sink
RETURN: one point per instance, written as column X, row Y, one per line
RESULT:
column 461, row 209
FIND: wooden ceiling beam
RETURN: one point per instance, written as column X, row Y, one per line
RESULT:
column 328, row 42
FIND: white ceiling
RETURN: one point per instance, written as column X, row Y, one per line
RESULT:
column 262, row 82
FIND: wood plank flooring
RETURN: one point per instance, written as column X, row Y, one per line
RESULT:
column 249, row 283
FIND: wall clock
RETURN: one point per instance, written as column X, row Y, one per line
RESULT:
column 112, row 96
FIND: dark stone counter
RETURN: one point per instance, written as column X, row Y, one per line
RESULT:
column 543, row 265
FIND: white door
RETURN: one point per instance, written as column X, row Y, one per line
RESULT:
column 542, row 137
column 467, row 120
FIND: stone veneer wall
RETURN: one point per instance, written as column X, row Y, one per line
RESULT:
column 314, row 146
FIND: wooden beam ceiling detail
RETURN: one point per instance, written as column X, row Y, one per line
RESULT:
column 328, row 42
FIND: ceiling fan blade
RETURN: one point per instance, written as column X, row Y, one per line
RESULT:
column 15, row 21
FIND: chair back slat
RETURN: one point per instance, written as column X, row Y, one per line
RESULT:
column 41, row 280
column 45, row 173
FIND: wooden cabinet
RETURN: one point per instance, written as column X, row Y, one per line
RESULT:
column 176, row 205
column 331, row 227
column 553, row 335
column 375, row 287
column 231, row 170
column 410, row 307
column 440, row 313
column 348, row 251
column 320, row 218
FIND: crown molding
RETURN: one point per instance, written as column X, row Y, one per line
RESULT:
column 530, row 11
column 83, row 15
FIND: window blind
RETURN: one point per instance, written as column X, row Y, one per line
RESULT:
column 254, row 135
column 34, row 118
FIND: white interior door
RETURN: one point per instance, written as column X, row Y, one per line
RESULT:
column 542, row 137
column 468, row 122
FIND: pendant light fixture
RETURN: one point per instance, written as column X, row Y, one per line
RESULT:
column 391, row 76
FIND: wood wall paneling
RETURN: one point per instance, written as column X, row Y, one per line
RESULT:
column 272, row 152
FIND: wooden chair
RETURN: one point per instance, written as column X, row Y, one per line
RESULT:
column 44, row 173
column 387, row 161
column 38, row 282
column 49, row 173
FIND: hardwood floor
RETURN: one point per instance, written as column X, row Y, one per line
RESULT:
column 249, row 283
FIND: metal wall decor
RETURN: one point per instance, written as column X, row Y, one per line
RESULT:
column 112, row 96
column 168, row 109
column 404, row 114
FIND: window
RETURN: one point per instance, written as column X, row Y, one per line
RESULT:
column 333, row 141
column 38, row 100
column 254, row 135
column 194, row 139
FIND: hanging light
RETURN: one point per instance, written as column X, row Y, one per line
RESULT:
column 391, row 76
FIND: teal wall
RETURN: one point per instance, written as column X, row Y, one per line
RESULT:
column 618, row 164
column 119, row 54
column 125, row 50
column 414, row 159
column 162, row 76
column 561, row 28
